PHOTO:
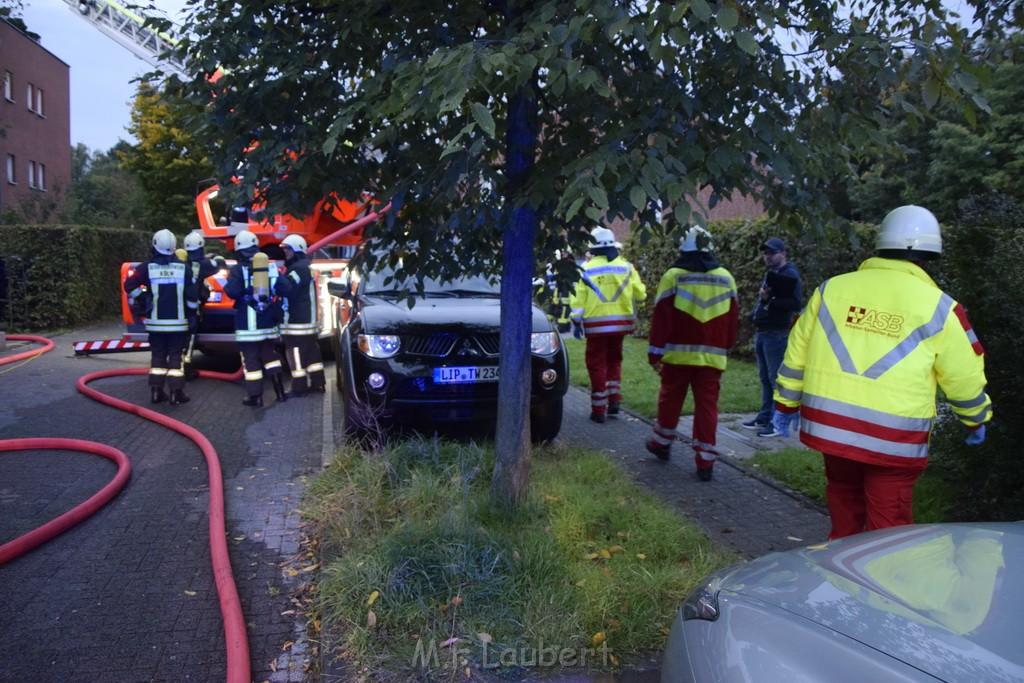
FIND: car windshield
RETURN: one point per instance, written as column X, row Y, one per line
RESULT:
column 384, row 281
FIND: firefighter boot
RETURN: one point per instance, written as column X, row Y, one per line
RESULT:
column 254, row 401
column 157, row 395
column 278, row 382
column 178, row 397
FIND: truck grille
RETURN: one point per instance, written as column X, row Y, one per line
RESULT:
column 445, row 344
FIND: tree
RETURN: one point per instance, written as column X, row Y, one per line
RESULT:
column 168, row 160
column 495, row 128
column 101, row 192
column 950, row 157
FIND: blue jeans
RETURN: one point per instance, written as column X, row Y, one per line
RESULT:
column 769, row 348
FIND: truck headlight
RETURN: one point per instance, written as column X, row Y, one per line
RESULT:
column 544, row 343
column 379, row 345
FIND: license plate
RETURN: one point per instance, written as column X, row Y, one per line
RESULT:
column 470, row 373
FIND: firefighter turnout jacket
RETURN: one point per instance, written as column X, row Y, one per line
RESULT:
column 169, row 283
column 254, row 320
column 696, row 314
column 605, row 299
column 297, row 288
column 864, row 359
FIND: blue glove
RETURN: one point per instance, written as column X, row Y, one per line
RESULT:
column 577, row 331
column 782, row 421
column 975, row 436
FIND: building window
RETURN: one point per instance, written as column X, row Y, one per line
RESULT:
column 9, row 86
column 30, row 96
column 11, row 178
column 31, row 174
column 40, row 181
column 39, row 101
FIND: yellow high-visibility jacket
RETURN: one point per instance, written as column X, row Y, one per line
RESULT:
column 864, row 359
column 606, row 297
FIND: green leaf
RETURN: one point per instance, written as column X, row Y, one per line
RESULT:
column 727, row 18
column 930, row 92
column 329, row 145
column 598, row 195
column 701, row 10
column 594, row 213
column 483, row 118
column 637, row 197
column 747, row 42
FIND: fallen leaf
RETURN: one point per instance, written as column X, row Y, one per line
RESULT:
column 641, row 556
column 484, row 637
column 190, row 592
column 371, row 619
column 590, row 556
column 287, row 644
column 794, row 538
column 312, row 567
column 615, row 662
column 597, row 638
column 451, row 641
column 605, row 554
column 456, row 601
column 373, row 598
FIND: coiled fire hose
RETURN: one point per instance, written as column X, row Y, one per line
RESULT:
column 236, row 639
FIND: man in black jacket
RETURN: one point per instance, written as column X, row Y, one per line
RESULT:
column 300, row 327
column 164, row 292
column 779, row 302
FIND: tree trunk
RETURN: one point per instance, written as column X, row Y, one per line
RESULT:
column 511, row 478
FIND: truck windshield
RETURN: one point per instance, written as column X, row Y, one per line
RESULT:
column 384, row 282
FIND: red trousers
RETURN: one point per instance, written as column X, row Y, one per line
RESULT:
column 864, row 497
column 604, row 365
column 676, row 380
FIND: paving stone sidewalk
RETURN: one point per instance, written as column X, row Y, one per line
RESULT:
column 740, row 508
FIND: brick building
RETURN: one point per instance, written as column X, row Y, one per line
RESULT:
column 736, row 207
column 35, row 128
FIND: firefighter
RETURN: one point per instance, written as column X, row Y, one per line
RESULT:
column 256, row 319
column 603, row 310
column 162, row 289
column 861, row 370
column 202, row 265
column 695, row 324
column 300, row 328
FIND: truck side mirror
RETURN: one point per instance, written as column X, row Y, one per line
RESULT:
column 338, row 286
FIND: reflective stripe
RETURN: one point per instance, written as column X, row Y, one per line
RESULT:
column 695, row 348
column 175, row 372
column 253, row 374
column 903, row 349
column 296, row 329
column 663, row 435
column 159, row 372
column 909, row 435
column 316, row 367
column 608, row 270
column 255, row 335
column 272, row 365
column 789, row 394
column 655, row 351
column 786, row 371
column 978, row 400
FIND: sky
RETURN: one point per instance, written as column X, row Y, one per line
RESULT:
column 101, row 70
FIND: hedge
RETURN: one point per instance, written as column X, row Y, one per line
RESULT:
column 60, row 276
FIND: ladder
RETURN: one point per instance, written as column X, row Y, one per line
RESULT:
column 128, row 29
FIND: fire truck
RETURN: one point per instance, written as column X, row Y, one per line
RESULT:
column 332, row 229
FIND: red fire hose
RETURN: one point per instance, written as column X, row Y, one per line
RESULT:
column 236, row 640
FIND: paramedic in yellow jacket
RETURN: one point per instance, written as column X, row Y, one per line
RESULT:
column 861, row 371
column 695, row 323
column 603, row 309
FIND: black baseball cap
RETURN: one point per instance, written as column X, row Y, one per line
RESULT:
column 774, row 244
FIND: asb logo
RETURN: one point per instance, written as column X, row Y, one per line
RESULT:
column 872, row 320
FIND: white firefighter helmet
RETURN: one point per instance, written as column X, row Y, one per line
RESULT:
column 244, row 240
column 194, row 240
column 696, row 239
column 295, row 242
column 910, row 229
column 601, row 237
column 164, row 241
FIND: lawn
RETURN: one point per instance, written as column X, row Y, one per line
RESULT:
column 741, row 388
column 423, row 580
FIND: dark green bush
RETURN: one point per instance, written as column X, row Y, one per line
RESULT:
column 54, row 276
column 983, row 256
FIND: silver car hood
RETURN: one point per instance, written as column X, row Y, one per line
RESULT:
column 946, row 599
